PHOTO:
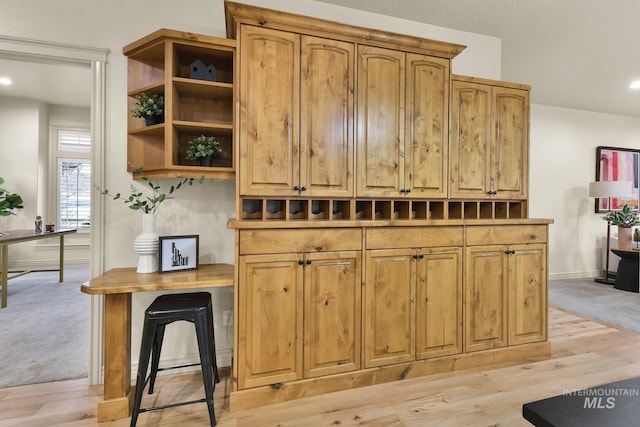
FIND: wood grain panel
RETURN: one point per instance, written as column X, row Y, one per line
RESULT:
column 270, row 318
column 505, row 234
column 332, row 288
column 326, row 128
column 269, row 114
column 413, row 237
column 439, row 303
column 389, row 318
column 296, row 240
column 427, row 126
column 380, row 121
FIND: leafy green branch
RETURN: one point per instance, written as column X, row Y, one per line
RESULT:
column 149, row 203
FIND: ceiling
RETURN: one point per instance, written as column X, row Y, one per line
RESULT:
column 579, row 54
column 51, row 83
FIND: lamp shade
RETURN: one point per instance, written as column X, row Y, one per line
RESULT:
column 604, row 189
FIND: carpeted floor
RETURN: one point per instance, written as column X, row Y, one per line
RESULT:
column 598, row 301
column 44, row 330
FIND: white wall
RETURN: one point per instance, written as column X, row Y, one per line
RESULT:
column 563, row 163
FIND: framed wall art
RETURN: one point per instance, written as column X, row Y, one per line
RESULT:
column 178, row 253
column 617, row 164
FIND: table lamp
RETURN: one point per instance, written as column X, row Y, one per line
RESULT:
column 607, row 190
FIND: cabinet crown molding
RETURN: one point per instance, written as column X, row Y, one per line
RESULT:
column 237, row 13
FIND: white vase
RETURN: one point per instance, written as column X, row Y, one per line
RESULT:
column 146, row 245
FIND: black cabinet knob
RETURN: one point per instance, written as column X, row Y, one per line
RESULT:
column 295, row 187
column 308, row 261
column 300, row 262
column 402, row 190
column 303, row 188
column 408, row 190
column 421, row 256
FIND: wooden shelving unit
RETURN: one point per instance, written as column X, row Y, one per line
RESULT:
column 161, row 64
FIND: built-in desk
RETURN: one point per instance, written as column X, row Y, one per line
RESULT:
column 117, row 285
column 17, row 236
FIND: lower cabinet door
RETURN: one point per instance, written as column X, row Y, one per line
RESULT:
column 270, row 320
column 485, row 316
column 332, row 288
column 438, row 302
column 527, row 294
column 389, row 319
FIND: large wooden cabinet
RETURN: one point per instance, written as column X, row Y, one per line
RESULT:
column 489, row 139
column 402, row 124
column 297, row 114
column 506, row 286
column 161, row 64
column 381, row 228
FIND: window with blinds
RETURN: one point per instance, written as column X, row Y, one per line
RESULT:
column 74, row 179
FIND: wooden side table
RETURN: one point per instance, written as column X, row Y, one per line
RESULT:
column 117, row 285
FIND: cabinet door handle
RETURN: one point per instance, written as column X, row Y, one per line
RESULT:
column 300, row 262
column 308, row 261
column 408, row 190
column 421, row 256
column 303, row 188
column 403, row 190
column 415, row 256
column 295, row 187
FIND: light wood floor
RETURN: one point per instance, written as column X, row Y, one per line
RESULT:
column 585, row 353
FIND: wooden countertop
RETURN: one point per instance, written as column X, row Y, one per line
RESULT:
column 126, row 280
column 258, row 224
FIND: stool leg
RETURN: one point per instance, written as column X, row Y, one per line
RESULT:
column 212, row 348
column 148, row 333
column 155, row 356
column 206, row 358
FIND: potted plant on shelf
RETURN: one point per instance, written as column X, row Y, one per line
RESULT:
column 8, row 202
column 624, row 219
column 204, row 149
column 149, row 108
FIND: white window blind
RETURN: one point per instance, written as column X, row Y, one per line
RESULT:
column 74, row 179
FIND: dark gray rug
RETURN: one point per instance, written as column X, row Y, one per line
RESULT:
column 597, row 301
column 44, row 330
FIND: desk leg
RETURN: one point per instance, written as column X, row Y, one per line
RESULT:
column 4, row 272
column 118, row 394
column 61, row 258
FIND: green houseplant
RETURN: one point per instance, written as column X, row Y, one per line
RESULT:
column 149, row 108
column 204, row 149
column 9, row 201
column 624, row 219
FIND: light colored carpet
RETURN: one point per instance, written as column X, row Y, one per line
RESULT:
column 44, row 330
column 597, row 301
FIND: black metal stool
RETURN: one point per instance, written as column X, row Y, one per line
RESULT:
column 191, row 307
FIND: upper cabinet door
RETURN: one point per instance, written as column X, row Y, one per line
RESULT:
column 470, row 137
column 427, row 130
column 326, row 127
column 509, row 153
column 269, row 113
column 380, row 118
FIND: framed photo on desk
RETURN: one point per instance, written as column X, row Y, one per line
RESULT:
column 178, row 253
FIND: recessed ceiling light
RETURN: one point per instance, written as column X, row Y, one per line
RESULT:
column 635, row 85
column 5, row 81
